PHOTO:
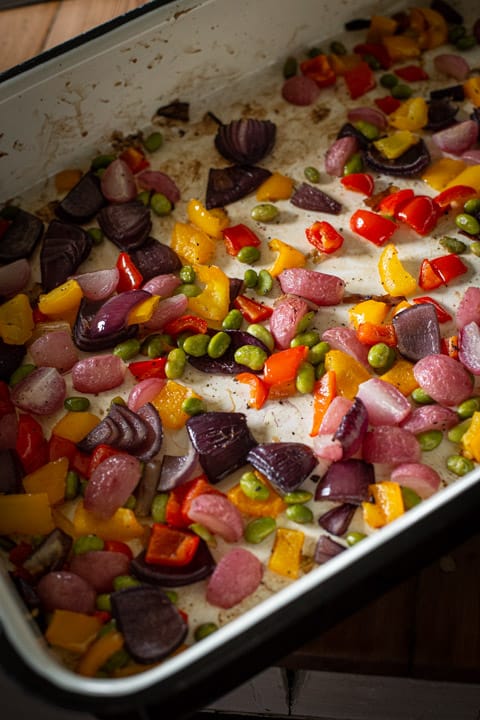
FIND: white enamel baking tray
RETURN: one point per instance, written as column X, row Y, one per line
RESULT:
column 61, row 110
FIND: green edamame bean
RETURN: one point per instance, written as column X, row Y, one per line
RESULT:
column 117, row 400
column 193, row 406
column 456, row 433
column 187, row 274
column 108, row 627
column 182, row 337
column 421, row 397
column 96, row 234
column 251, row 356
column 304, row 323
column 468, row 407
column 353, row 537
column 368, row 130
column 338, row 48
column 176, row 361
column 319, row 370
column 466, row 42
column 475, row 248
column 253, row 488
column 305, row 380
column 118, row 660
column 372, row 61
column 314, row 51
column 233, row 320
column 264, row 212
column 309, row 338
column 381, row 356
column 401, row 91
column 71, row 485
column 257, row 530
column 172, row 596
column 388, row 80
column 430, row 439
column 317, row 353
column 218, row 345
column 188, row 289
column 21, row 373
column 196, row 345
column 472, row 206
column 160, row 204
column 127, row 350
column 455, row 32
column 159, row 507
column 76, row 404
column 261, row 333
column 468, row 223
column 312, row 174
column 103, row 602
column 203, row 533
column 410, row 498
column 459, row 465
column 203, row 630
column 265, row 282
column 453, row 245
column 85, row 543
column 250, row 278
column 354, row 164
column 101, row 162
column 156, row 345
column 144, row 197
column 297, row 496
column 299, row 513
column 130, row 502
column 153, row 142
column 248, row 254
column 121, row 582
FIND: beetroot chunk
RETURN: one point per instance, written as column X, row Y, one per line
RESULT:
column 21, row 236
column 417, row 331
column 65, row 247
column 83, row 201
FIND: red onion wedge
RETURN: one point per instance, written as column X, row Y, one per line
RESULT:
column 338, row 154
column 390, row 445
column 469, row 350
column 372, row 115
column 113, row 314
column 99, row 284
column 285, row 464
column 352, row 429
column 445, row 379
column 144, row 391
column 168, row 309
column 237, row 575
column 385, row 404
column 326, row 548
column 300, row 90
column 458, row 138
column 14, row 277
column 320, row 288
column 117, row 182
column 346, row 481
column 176, row 470
column 334, row 414
column 81, row 330
column 227, row 185
column 218, row 515
column 111, row 484
column 337, row 520
column 410, row 164
column 42, row 392
column 286, row 316
column 421, row 478
column 245, row 141
column 452, row 65
column 159, row 182
column 64, row 248
column 50, row 554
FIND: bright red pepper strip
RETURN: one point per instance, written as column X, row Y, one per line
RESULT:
column 455, row 194
column 421, row 214
column 371, row 226
column 170, row 547
column 449, row 267
column 252, row 311
column 323, row 394
column 442, row 314
column 283, row 366
column 181, row 497
column 31, row 445
column 129, row 276
column 118, row 546
column 359, row 182
column 62, row 447
column 238, row 236
column 145, row 369
column 258, row 389
column 186, row 323
column 359, row 80
column 135, row 159
column 319, row 69
column 324, row 237
column 387, row 104
column 411, row 73
column 391, row 204
column 428, row 278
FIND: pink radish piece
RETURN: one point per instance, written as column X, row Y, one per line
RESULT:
column 444, row 379
column 100, row 567
column 64, row 590
column 421, row 478
column 111, row 484
column 390, row 445
column 218, row 515
column 385, row 403
column 97, row 373
column 54, row 349
column 237, row 575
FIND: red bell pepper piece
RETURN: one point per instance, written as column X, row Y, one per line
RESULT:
column 103, row 615
column 238, row 236
column 258, row 389
column 144, row 369
column 129, row 276
column 391, row 204
column 411, row 73
column 372, row 226
column 387, row 104
column 180, row 500
column 359, row 79
column 370, row 334
column 38, row 316
column 6, row 405
column 428, row 278
column 324, row 237
column 186, row 323
column 281, row 367
column 135, row 159
column 421, row 214
column 455, row 194
column 359, row 182
column 376, row 50
column 319, row 69
column 449, row 267
column 324, row 391
column 449, row 346
column 101, row 453
column 62, row 447
column 252, row 311
column 31, row 445
column 442, row 314
column 171, row 547
column 118, row 546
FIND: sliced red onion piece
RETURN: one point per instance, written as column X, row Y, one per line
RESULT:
column 218, row 515
column 200, row 567
column 421, row 478
column 352, row 429
column 42, row 392
column 12, row 472
column 412, row 163
column 325, row 549
column 100, row 568
column 111, row 484
column 222, row 440
column 308, row 197
column 300, row 90
column 176, row 470
column 417, row 331
column 14, row 277
column 153, row 442
column 163, row 285
column 227, row 185
column 345, row 339
column 50, row 555
column 113, row 314
column 458, row 138
column 62, row 590
column 441, row 114
column 469, row 347
column 349, row 130
column 320, row 288
column 237, row 575
column 127, row 225
column 168, row 309
column 346, row 481
column 390, row 445
column 339, row 153
column 286, row 464
column 83, row 201
column 246, row 141
column 144, row 391
column 452, row 65
column 286, row 316
column 99, row 284
column 385, row 404
column 445, row 379
column 430, row 417
column 64, row 248
column 154, row 258
column 469, row 307
column 372, row 115
column 159, row 182
column 81, row 330
column 118, row 183
column 54, row 349
column 98, row 373
column 337, row 520
column 126, row 430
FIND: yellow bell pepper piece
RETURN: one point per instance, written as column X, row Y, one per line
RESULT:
column 169, row 404
column 373, row 515
column 471, row 439
column 192, row 244
column 48, row 479
column 65, row 180
column 61, row 300
column 372, row 311
column 471, row 88
column 348, row 371
column 401, row 375
column 429, row 27
column 411, row 115
column 287, row 553
column 99, row 652
column 271, row 507
column 275, row 187
column 393, row 276
column 75, row 425
column 442, row 171
column 16, row 320
column 211, row 222
column 380, row 27
column 340, row 64
column 213, row 302
column 72, row 631
column 469, row 176
column 25, row 514
column 288, row 257
column 388, row 497
column 402, row 305
column 123, row 525
column 401, row 47
column 63, row 522
column 395, row 144
column 143, row 312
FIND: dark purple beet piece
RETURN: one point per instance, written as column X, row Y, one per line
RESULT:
column 308, row 197
column 226, row 365
column 11, row 357
column 154, row 258
column 417, row 331
column 83, row 201
column 50, row 555
column 64, row 248
column 346, row 481
column 153, row 441
column 325, row 549
column 20, row 238
column 246, row 141
column 11, row 472
column 449, row 14
column 413, row 162
column 222, row 440
column 286, row 464
column 82, row 337
column 127, row 225
column 236, row 285
column 149, row 621
column 199, row 568
column 352, row 429
column 176, row 110
column 337, row 520
column 349, row 130
column 441, row 114
column 227, row 185
column 453, row 92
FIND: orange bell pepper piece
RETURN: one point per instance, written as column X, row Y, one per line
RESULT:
column 211, row 222
column 258, row 389
column 287, row 257
column 275, row 187
column 72, row 631
column 123, row 525
column 287, row 553
column 349, row 372
column 169, row 404
column 471, row 87
column 75, row 425
column 27, row 514
column 192, row 244
column 50, row 479
column 372, row 311
column 401, row 375
column 388, row 500
column 271, row 507
column 16, row 320
column 370, row 334
column 323, row 394
column 282, row 367
column 99, row 652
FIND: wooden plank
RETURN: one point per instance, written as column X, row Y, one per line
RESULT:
column 24, row 31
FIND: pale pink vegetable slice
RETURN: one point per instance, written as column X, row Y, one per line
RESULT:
column 469, row 307
column 168, row 309
column 430, row 417
column 100, row 567
column 327, row 448
column 98, row 284
column 117, row 183
column 421, row 478
column 339, row 153
column 300, row 90
column 457, row 138
column 237, row 575
column 64, row 590
column 97, row 373
column 345, row 339
column 42, row 392
column 385, row 404
column 368, row 114
column 218, row 515
column 159, row 182
column 111, row 484
column 163, row 285
column 144, row 392
column 320, row 288
column 390, row 445
column 14, row 277
column 286, row 316
column 469, row 347
column 54, row 349
column 453, row 65
column 444, row 379
column 334, row 414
